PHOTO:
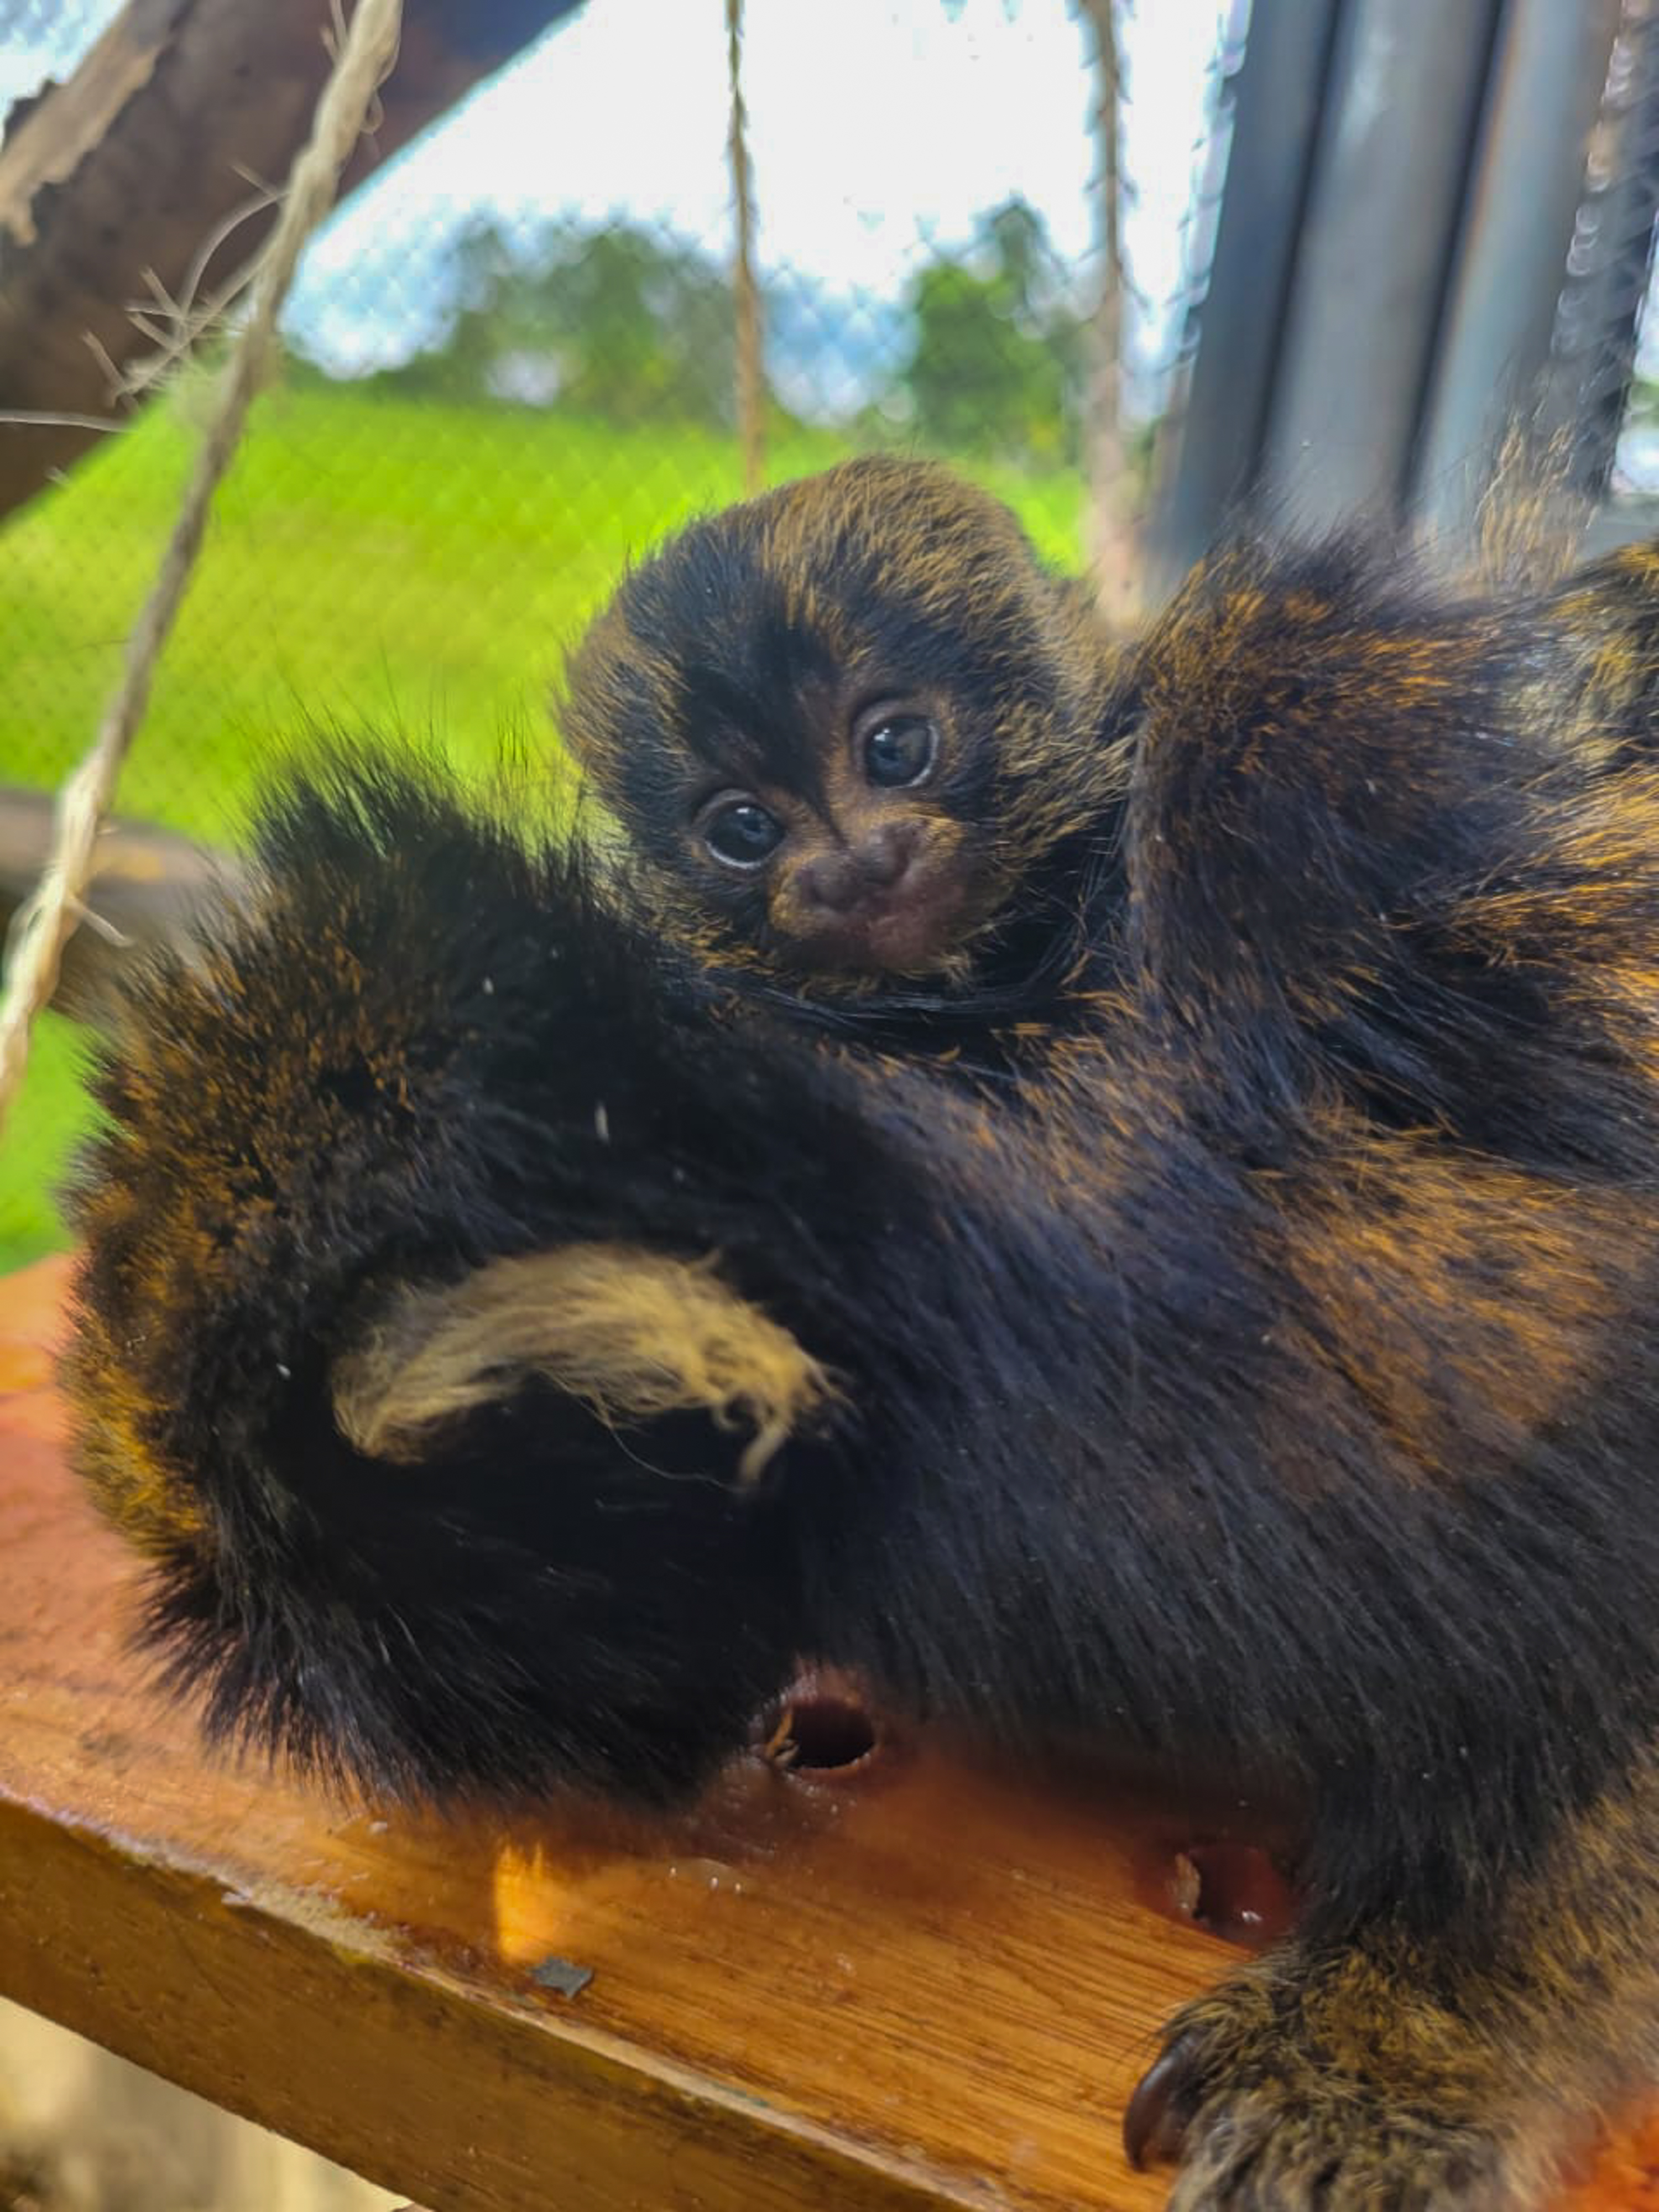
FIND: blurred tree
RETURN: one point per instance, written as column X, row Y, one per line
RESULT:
column 996, row 361
column 1016, row 236
column 625, row 323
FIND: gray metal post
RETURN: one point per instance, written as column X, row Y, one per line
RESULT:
column 1525, row 187
column 1593, row 354
column 1216, row 449
column 1406, row 94
column 1392, row 242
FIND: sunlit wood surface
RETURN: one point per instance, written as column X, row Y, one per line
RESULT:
column 897, row 1985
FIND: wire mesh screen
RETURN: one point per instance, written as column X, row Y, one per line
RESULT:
column 510, row 366
column 1604, row 354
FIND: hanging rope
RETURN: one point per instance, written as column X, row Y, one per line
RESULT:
column 348, row 103
column 1113, row 524
column 751, row 389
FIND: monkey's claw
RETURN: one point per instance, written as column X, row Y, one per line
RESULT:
column 1155, row 2124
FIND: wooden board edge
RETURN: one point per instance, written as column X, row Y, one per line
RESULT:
column 392, row 2067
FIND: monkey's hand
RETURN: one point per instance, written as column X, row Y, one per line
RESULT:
column 1328, row 2085
column 1450, row 2059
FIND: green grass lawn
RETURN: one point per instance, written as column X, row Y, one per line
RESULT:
column 374, row 563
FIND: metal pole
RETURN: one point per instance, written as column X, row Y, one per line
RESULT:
column 1406, row 92
column 1525, row 188
column 1396, row 230
column 1593, row 355
column 1216, row 450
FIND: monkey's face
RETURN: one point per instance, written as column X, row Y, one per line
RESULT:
column 858, row 861
column 832, row 722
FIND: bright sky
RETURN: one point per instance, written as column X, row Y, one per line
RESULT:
column 876, row 125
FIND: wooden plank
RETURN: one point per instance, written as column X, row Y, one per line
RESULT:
column 905, row 1984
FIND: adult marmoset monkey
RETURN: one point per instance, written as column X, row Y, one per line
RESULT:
column 868, row 753
column 1267, row 1384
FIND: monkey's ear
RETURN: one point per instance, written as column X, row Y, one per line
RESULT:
column 635, row 1335
column 1602, row 671
column 1532, row 518
column 591, row 698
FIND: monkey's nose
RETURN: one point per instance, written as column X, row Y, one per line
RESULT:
column 833, row 881
column 843, row 881
column 885, row 853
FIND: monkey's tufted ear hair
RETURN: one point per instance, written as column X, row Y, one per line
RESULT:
column 635, row 1335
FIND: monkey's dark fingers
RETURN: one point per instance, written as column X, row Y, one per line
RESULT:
column 1333, row 2078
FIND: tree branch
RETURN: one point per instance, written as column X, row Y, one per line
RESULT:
column 111, row 182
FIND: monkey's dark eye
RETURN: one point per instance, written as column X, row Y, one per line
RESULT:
column 900, row 751
column 742, row 834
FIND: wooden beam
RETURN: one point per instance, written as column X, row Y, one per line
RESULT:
column 146, row 884
column 131, row 165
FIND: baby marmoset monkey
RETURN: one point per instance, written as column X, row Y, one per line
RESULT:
column 859, row 741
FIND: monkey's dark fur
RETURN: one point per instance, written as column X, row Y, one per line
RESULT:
column 1266, row 1383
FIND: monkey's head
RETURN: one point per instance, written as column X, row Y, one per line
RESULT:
column 844, row 723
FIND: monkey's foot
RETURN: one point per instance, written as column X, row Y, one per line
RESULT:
column 1342, row 2092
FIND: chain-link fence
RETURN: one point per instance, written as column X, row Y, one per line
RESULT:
column 1605, row 346
column 511, row 365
